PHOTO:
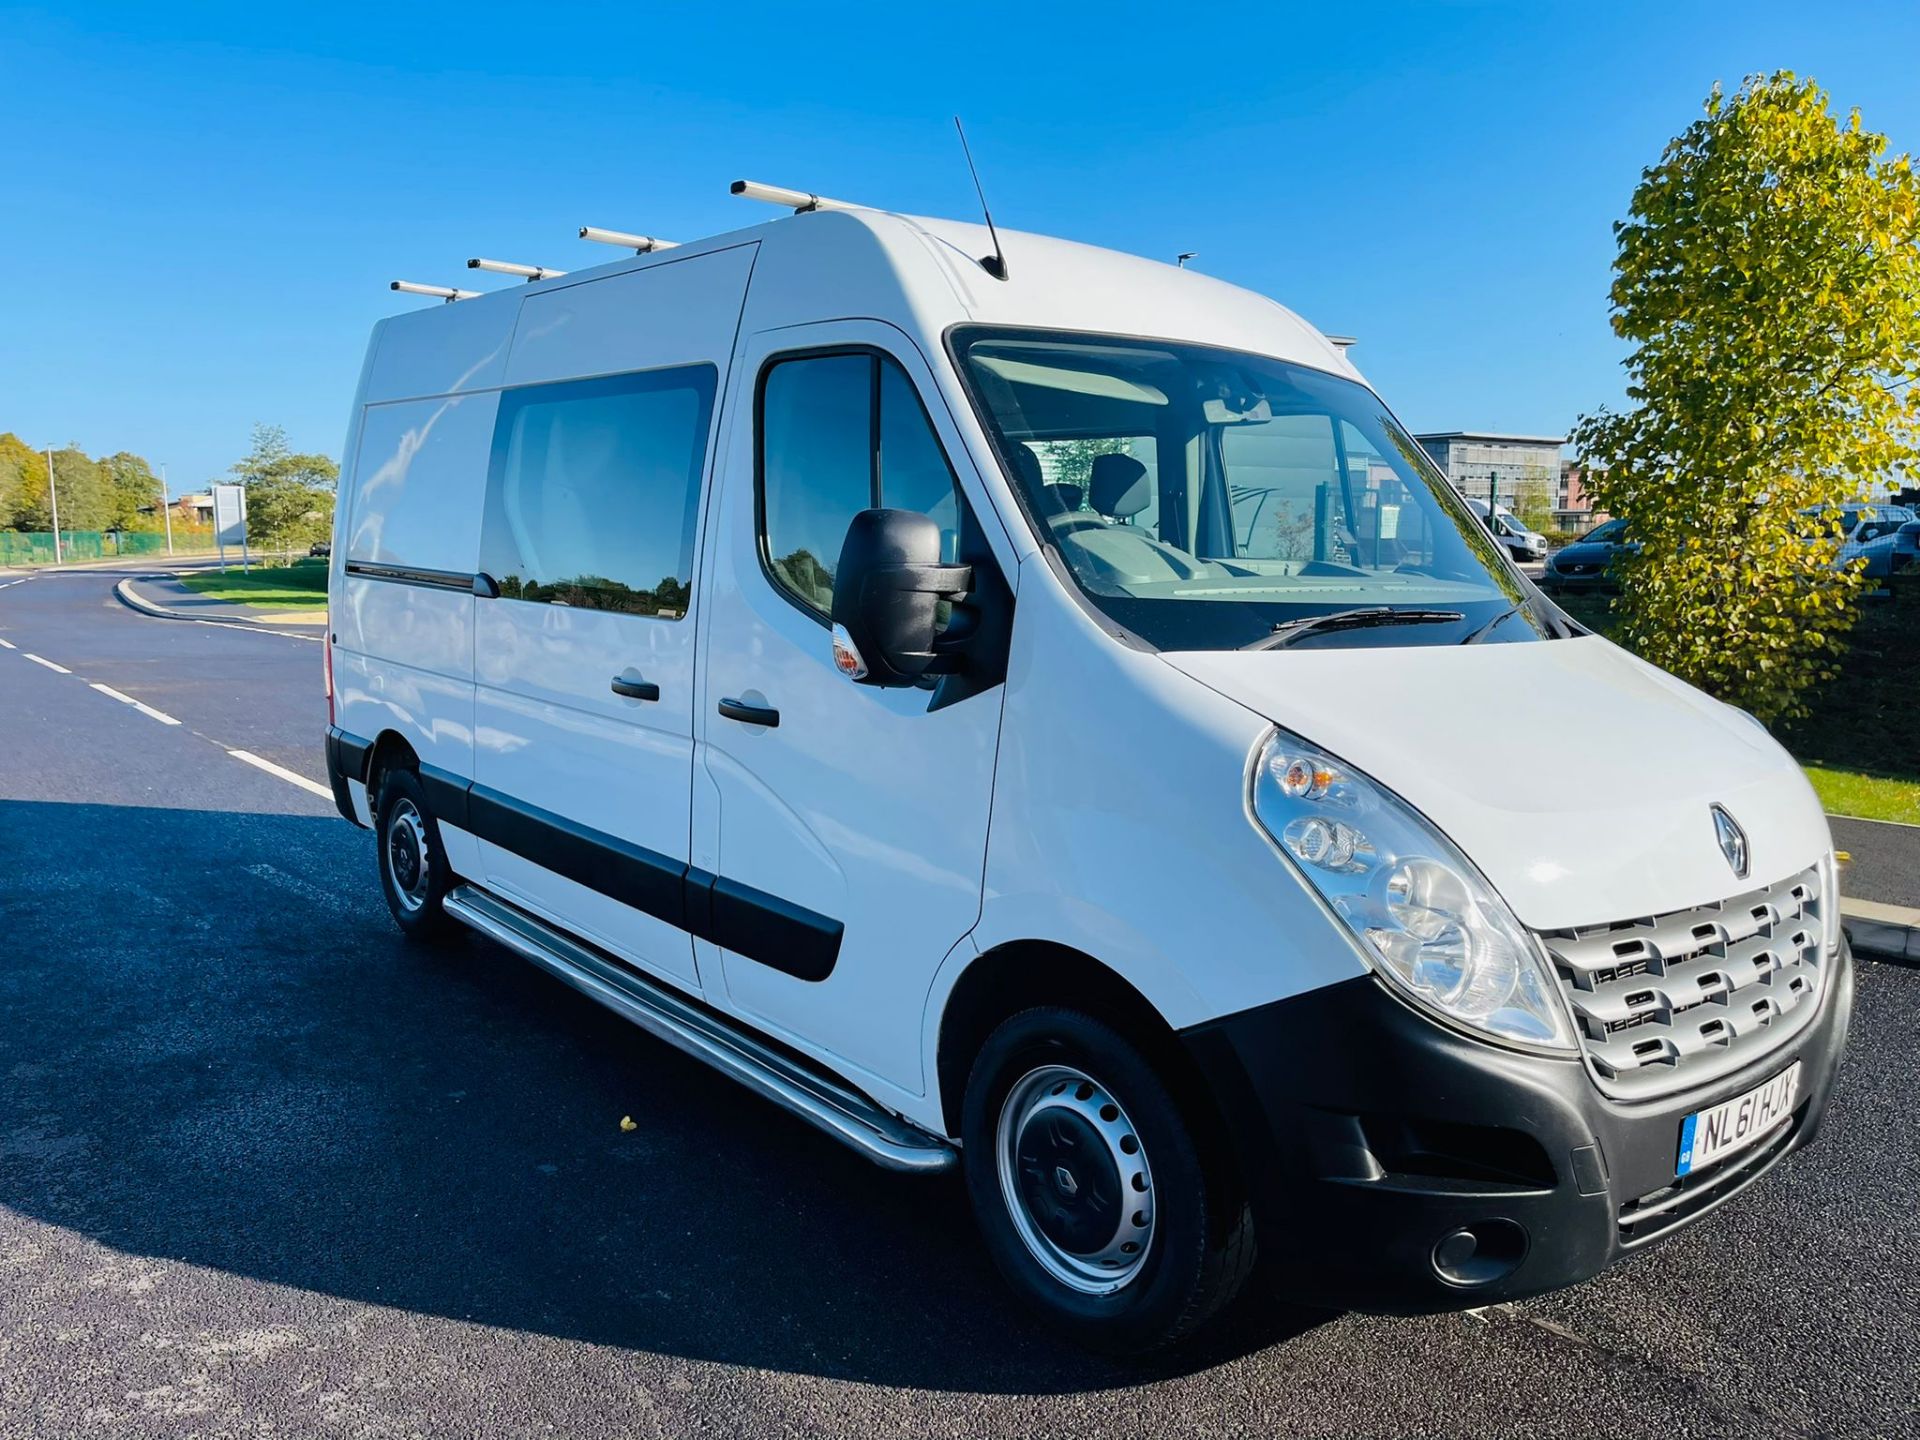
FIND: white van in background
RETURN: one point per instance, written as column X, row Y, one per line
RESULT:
column 1523, row 544
column 1043, row 715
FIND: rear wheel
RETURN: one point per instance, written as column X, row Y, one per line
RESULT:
column 1091, row 1189
column 413, row 863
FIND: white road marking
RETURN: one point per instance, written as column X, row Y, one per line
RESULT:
column 285, row 774
column 9, row 644
column 146, row 710
column 257, row 629
column 48, row 663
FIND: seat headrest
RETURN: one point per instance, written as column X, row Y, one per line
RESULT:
column 1027, row 467
column 1120, row 486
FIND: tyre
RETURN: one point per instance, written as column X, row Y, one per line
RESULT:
column 413, row 863
column 1095, row 1197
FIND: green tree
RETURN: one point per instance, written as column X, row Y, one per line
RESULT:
column 1769, row 281
column 17, row 459
column 289, row 495
column 84, row 501
column 1532, row 499
column 131, row 487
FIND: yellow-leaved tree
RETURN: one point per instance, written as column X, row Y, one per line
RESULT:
column 1769, row 280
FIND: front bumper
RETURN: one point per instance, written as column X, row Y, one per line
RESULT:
column 1591, row 582
column 1372, row 1136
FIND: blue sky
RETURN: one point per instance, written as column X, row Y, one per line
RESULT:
column 202, row 204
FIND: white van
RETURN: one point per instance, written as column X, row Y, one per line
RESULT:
column 1511, row 531
column 1055, row 723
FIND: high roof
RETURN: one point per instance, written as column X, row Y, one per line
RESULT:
column 924, row 275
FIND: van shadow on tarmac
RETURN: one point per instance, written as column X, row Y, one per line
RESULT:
column 226, row 1055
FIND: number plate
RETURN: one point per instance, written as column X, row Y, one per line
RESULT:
column 1733, row 1125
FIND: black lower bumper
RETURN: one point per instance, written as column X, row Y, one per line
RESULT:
column 1398, row 1166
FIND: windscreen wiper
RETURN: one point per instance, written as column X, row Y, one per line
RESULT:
column 1288, row 631
column 1492, row 625
column 1558, row 626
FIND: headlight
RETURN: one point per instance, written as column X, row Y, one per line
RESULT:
column 1425, row 918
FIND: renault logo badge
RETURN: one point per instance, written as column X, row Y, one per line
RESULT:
column 1733, row 841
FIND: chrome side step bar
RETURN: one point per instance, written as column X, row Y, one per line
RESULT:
column 841, row 1111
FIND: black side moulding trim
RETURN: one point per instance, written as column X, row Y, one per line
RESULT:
column 764, row 927
column 346, row 760
column 462, row 580
column 447, row 793
column 629, row 873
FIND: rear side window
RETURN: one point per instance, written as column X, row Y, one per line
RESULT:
column 594, row 491
column 840, row 433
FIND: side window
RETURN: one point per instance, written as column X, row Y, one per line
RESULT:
column 593, row 496
column 840, row 434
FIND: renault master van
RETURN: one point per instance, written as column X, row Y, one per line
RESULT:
column 1033, row 711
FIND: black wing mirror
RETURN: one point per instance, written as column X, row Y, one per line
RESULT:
column 886, row 600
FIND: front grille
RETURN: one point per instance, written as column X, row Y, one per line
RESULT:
column 1679, row 999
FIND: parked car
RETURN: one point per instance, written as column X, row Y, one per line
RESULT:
column 1874, row 534
column 320, row 549
column 1586, row 566
column 859, row 664
column 1523, row 544
column 1905, row 549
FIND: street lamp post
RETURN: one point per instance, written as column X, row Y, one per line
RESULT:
column 53, row 501
column 166, row 507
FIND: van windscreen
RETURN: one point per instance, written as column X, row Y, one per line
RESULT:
column 1202, row 497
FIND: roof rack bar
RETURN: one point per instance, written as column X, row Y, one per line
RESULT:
column 800, row 201
column 509, row 267
column 639, row 244
column 439, row 292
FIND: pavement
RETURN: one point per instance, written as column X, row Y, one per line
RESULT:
column 267, row 1170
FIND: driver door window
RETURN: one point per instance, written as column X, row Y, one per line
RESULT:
column 840, row 433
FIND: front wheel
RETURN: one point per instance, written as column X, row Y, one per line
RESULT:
column 1092, row 1190
column 413, row 863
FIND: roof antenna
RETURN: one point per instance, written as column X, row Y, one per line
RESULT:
column 996, row 263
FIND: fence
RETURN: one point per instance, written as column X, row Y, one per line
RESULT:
column 35, row 547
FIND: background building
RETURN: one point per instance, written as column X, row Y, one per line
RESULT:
column 1526, row 470
column 1573, row 507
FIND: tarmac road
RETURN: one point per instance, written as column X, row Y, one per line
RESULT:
column 266, row 1170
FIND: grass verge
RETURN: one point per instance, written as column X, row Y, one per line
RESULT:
column 299, row 586
column 1865, row 797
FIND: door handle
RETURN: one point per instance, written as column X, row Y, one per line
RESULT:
column 636, row 689
column 750, row 714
